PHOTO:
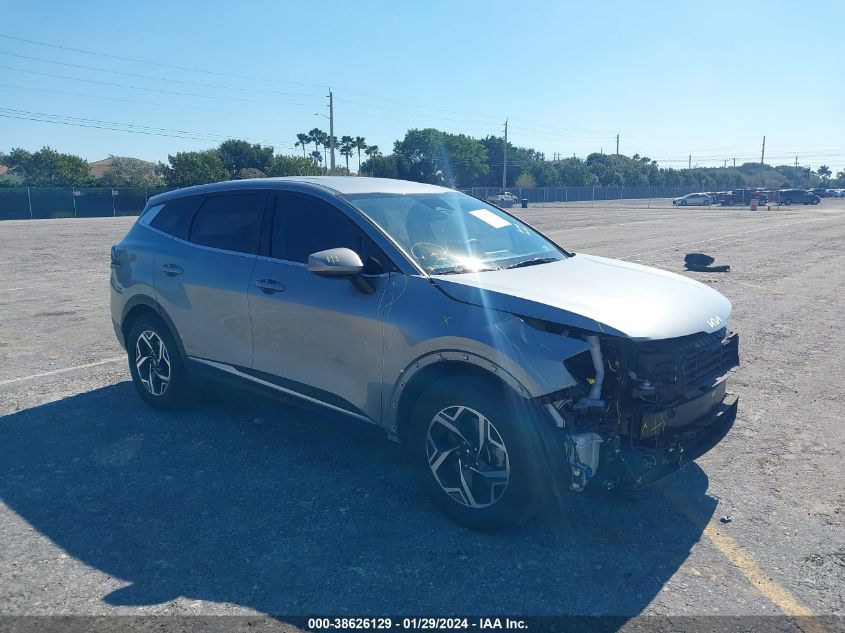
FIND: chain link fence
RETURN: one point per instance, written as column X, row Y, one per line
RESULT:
column 25, row 203
column 584, row 194
column 33, row 203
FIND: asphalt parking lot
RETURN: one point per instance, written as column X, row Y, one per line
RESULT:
column 235, row 506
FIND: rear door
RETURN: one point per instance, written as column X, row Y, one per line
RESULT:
column 319, row 337
column 202, row 277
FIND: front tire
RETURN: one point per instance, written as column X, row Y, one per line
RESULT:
column 788, row 201
column 683, row 203
column 157, row 369
column 479, row 453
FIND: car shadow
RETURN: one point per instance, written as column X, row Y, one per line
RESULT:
column 290, row 513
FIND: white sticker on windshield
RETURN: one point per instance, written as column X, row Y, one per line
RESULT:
column 491, row 218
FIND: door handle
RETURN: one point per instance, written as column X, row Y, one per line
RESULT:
column 171, row 270
column 269, row 286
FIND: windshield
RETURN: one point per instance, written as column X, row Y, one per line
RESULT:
column 455, row 233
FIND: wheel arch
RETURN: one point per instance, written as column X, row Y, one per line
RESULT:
column 140, row 305
column 425, row 371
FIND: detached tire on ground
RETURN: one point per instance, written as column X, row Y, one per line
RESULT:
column 479, row 453
column 157, row 369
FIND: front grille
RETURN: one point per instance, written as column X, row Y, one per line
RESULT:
column 688, row 366
column 708, row 359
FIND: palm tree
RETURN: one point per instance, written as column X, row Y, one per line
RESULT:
column 824, row 172
column 347, row 144
column 373, row 153
column 301, row 141
column 317, row 156
column 324, row 141
column 841, row 174
column 316, row 136
column 360, row 144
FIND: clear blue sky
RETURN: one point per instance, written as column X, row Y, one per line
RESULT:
column 672, row 78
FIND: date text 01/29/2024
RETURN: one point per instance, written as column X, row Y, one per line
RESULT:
column 416, row 623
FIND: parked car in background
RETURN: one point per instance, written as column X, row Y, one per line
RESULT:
column 821, row 192
column 743, row 196
column 510, row 368
column 693, row 198
column 795, row 196
column 836, row 193
column 507, row 197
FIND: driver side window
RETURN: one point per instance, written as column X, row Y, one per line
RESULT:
column 303, row 224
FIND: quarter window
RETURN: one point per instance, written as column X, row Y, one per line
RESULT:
column 175, row 217
column 230, row 222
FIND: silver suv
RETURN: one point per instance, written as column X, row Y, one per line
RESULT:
column 508, row 366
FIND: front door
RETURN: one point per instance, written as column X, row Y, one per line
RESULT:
column 319, row 337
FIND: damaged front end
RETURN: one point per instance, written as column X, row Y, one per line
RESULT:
column 642, row 409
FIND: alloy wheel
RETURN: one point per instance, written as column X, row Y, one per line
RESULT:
column 467, row 456
column 152, row 361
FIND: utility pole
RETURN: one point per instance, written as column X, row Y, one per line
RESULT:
column 726, row 164
column 734, row 162
column 689, row 163
column 331, row 126
column 796, row 161
column 505, row 164
column 617, row 145
column 763, row 152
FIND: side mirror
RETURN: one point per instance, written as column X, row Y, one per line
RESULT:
column 342, row 263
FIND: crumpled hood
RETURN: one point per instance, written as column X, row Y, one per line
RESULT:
column 597, row 294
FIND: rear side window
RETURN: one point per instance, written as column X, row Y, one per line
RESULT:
column 175, row 217
column 303, row 225
column 230, row 222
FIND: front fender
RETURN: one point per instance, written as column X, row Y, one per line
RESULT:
column 528, row 360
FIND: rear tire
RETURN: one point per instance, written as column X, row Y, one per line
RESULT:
column 155, row 363
column 479, row 453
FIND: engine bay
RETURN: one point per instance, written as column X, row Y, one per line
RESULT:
column 640, row 406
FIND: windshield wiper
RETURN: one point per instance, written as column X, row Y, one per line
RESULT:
column 461, row 271
column 533, row 262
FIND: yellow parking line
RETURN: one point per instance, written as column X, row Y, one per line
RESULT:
column 779, row 595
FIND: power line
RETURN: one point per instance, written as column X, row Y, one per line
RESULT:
column 152, row 63
column 134, row 128
column 90, row 96
column 407, row 122
column 154, row 78
column 145, row 89
column 542, row 132
column 225, row 87
column 476, row 115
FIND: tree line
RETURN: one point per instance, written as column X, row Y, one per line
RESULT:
column 423, row 155
column 232, row 159
column 458, row 160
